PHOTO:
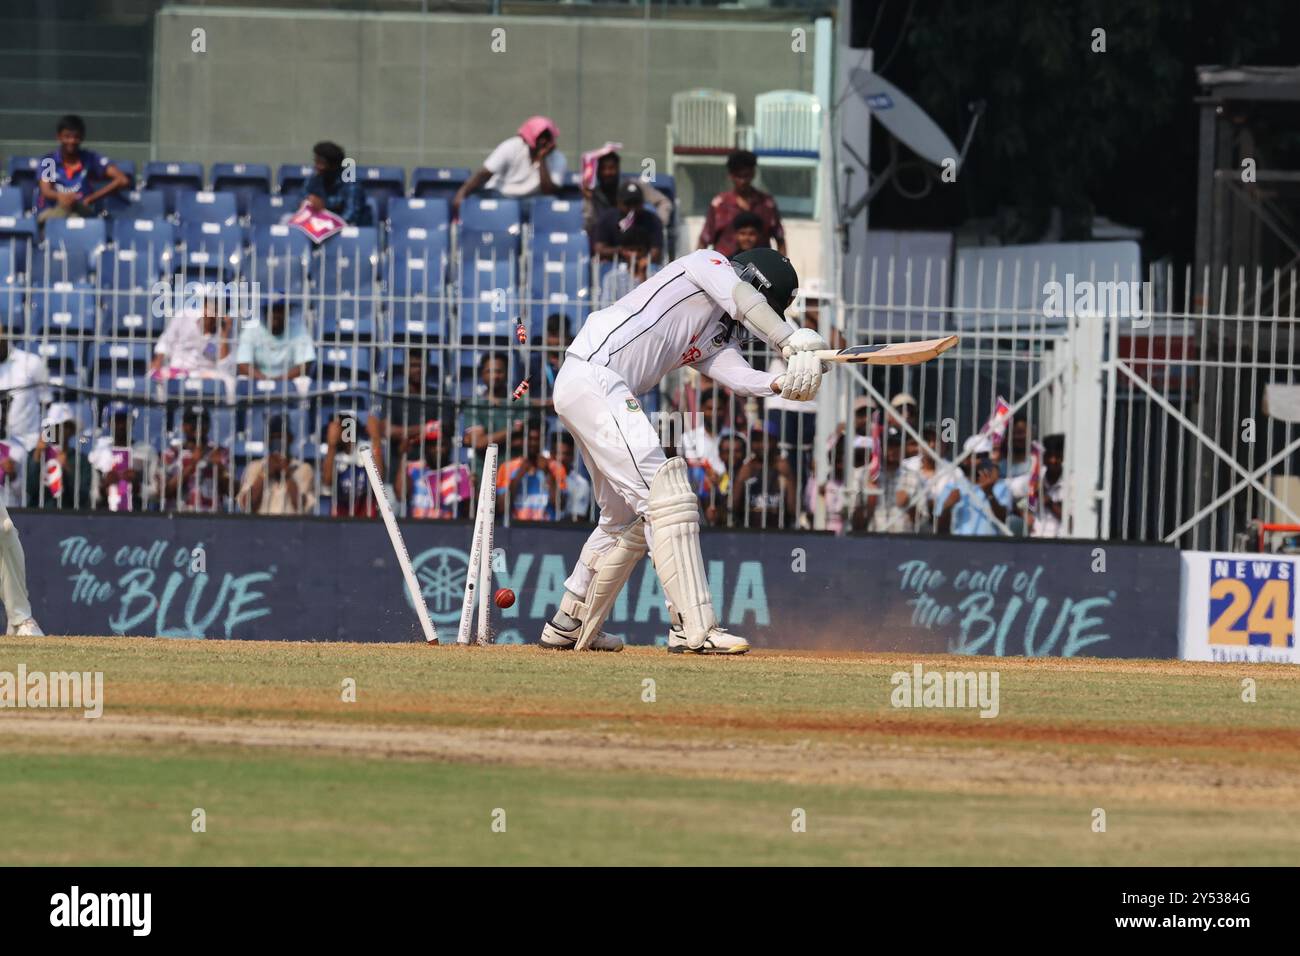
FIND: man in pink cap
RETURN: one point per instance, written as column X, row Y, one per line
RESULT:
column 519, row 166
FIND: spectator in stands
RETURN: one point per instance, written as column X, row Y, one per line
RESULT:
column 630, row 270
column 533, row 484
column 605, row 196
column 629, row 216
column 699, row 442
column 1013, row 455
column 967, row 504
column 1044, row 503
column 197, row 344
column 328, row 187
column 884, row 506
column 24, row 387
column 195, row 474
column 902, row 408
column 544, row 363
column 764, row 492
column 831, row 491
column 489, row 419
column 575, row 500
column 921, row 479
column 273, row 350
column 433, row 486
column 58, row 474
column 343, row 477
column 127, row 470
column 748, row 229
column 718, row 498
column 415, row 403
column 278, row 484
column 523, row 165
column 719, row 225
column 67, row 175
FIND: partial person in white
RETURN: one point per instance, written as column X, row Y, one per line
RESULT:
column 690, row 313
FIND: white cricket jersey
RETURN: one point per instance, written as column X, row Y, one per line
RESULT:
column 680, row 316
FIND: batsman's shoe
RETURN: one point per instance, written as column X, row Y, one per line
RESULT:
column 28, row 628
column 718, row 641
column 559, row 640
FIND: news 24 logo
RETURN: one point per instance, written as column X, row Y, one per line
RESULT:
column 1252, row 603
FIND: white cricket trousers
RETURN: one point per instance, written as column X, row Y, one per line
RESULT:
column 13, row 573
column 620, row 446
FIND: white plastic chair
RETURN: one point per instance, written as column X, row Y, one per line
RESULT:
column 787, row 122
column 703, row 120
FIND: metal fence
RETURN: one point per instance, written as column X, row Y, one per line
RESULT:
column 1178, row 413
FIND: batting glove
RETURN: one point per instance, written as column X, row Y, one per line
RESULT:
column 802, row 378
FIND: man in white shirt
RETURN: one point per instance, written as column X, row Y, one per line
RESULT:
column 689, row 313
column 523, row 165
column 24, row 386
column 196, row 344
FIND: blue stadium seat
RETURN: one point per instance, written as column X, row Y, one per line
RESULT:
column 64, row 309
column 12, row 201
column 125, row 295
column 488, row 299
column 245, row 180
column 292, row 177
column 348, row 316
column 171, row 178
column 558, row 285
column 8, row 269
column 441, row 182
column 570, row 187
column 279, row 258
column 70, row 247
column 203, row 206
column 211, row 251
column 151, row 239
column 203, row 390
column 267, row 389
column 480, row 214
column 417, row 300
column 569, row 246
column 556, row 215
column 340, row 367
column 432, row 215
column 348, row 261
column 113, row 360
column 382, row 184
column 18, row 234
column 138, row 205
column 271, row 210
column 63, row 359
column 13, row 323
column 22, row 172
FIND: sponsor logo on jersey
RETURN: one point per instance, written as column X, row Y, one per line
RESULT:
column 632, row 406
column 692, row 354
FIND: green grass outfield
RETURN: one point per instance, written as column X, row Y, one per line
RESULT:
column 575, row 765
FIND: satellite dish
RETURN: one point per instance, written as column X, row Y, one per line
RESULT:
column 906, row 121
column 908, row 124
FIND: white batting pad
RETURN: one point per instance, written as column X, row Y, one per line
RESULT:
column 674, row 517
column 609, row 572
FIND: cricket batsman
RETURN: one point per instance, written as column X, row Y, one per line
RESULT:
column 13, row 581
column 689, row 313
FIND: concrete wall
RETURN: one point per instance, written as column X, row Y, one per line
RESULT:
column 427, row 90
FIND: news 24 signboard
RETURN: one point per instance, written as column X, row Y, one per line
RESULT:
column 1239, row 607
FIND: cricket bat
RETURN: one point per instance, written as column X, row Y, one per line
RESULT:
column 895, row 353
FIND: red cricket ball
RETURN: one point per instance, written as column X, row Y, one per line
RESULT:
column 504, row 598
